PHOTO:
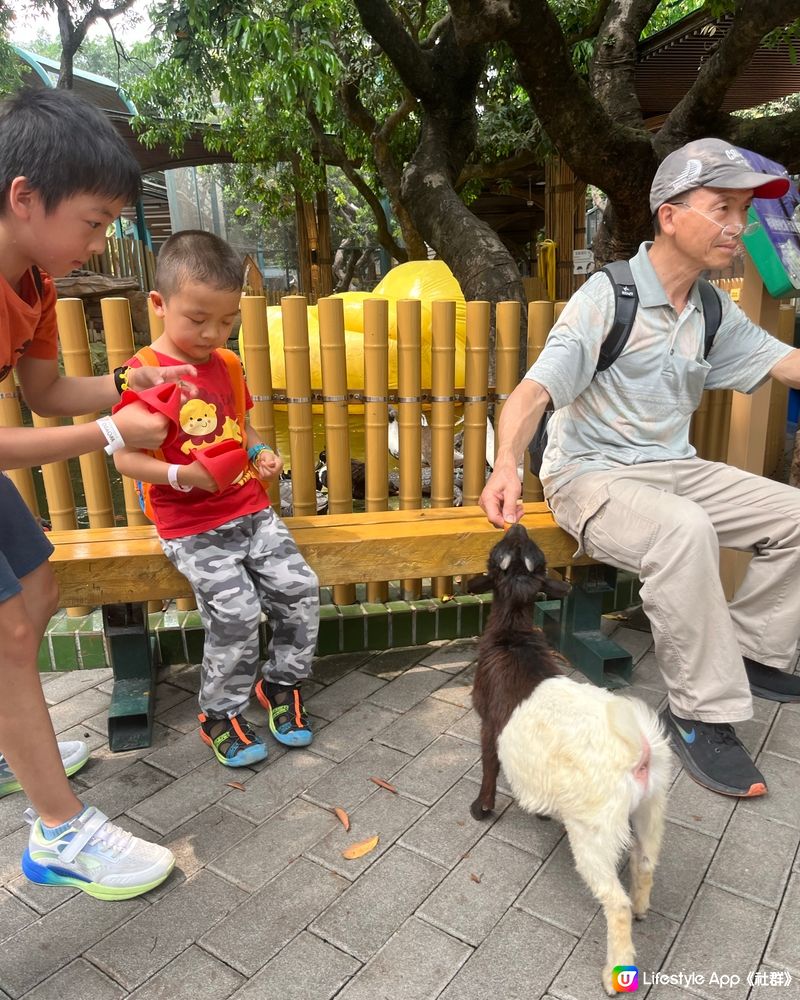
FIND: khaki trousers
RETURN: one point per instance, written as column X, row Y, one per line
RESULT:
column 666, row 522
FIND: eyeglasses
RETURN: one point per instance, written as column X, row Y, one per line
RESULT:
column 732, row 231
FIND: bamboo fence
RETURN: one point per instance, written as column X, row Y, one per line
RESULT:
column 443, row 403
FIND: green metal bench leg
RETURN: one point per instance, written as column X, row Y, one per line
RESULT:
column 134, row 658
column 572, row 626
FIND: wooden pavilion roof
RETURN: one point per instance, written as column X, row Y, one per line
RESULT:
column 104, row 94
column 669, row 61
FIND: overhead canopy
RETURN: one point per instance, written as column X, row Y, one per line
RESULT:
column 669, row 61
column 105, row 94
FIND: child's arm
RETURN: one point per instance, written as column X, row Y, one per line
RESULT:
column 23, row 447
column 267, row 462
column 51, row 394
column 148, row 468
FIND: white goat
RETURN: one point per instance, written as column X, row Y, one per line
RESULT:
column 597, row 762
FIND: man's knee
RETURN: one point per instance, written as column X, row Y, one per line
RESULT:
column 688, row 523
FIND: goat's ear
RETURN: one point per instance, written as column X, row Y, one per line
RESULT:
column 479, row 584
column 555, row 588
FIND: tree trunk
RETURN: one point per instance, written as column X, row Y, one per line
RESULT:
column 471, row 249
column 619, row 234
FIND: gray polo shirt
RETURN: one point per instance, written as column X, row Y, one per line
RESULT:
column 639, row 409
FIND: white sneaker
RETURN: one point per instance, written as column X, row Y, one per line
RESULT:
column 95, row 856
column 74, row 754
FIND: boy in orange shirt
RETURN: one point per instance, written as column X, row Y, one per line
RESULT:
column 65, row 174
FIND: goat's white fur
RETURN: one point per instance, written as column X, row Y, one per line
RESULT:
column 577, row 753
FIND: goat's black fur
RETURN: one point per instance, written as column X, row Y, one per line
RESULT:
column 513, row 656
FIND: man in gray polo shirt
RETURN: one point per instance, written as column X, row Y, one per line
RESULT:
column 620, row 474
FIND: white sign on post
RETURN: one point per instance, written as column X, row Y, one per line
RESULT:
column 582, row 261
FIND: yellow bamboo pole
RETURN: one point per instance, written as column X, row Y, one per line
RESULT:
column 333, row 359
column 94, row 471
column 409, row 413
column 376, row 417
column 60, row 498
column 120, row 348
column 57, row 486
column 749, row 412
column 475, row 400
column 506, row 355
column 11, row 416
column 77, row 362
column 255, row 338
column 779, row 398
column 55, row 475
column 540, row 322
column 443, row 359
column 298, row 389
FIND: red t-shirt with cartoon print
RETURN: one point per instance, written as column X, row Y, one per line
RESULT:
column 205, row 420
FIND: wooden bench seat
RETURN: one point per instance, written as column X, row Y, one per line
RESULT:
column 112, row 565
column 122, row 568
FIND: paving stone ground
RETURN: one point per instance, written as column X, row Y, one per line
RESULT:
column 262, row 904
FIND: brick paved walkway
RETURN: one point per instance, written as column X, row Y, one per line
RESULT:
column 262, row 905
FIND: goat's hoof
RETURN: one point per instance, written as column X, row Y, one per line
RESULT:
column 478, row 812
column 607, row 982
column 543, row 816
column 640, row 916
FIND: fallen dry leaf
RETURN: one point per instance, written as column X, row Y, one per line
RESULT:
column 384, row 784
column 343, row 818
column 360, row 849
column 236, row 784
column 475, row 878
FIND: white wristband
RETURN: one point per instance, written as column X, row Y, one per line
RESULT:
column 172, row 479
column 112, row 435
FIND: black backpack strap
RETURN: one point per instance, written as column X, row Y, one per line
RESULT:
column 712, row 313
column 626, row 302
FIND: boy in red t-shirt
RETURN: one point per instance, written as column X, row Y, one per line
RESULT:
column 217, row 527
column 65, row 174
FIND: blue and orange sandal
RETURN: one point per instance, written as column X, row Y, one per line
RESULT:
column 288, row 721
column 233, row 741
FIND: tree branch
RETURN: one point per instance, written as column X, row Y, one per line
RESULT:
column 777, row 137
column 333, row 152
column 574, row 121
column 388, row 169
column 482, row 21
column 613, row 71
column 411, row 62
column 396, row 117
column 593, row 27
column 493, row 171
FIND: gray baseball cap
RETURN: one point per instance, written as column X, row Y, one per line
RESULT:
column 711, row 163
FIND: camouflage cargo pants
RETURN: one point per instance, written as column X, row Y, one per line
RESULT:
column 236, row 571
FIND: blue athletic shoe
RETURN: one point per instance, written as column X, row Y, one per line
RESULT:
column 95, row 856
column 288, row 721
column 74, row 754
column 233, row 740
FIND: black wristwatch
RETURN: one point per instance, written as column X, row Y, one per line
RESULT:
column 121, row 378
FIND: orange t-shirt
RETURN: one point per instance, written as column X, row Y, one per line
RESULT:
column 27, row 321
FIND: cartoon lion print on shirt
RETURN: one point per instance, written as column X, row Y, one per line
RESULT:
column 198, row 419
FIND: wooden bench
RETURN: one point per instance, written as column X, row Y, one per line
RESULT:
column 120, row 568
